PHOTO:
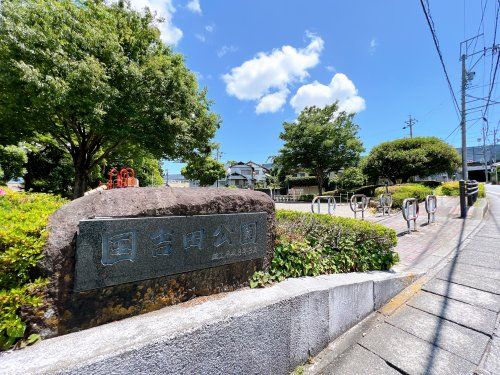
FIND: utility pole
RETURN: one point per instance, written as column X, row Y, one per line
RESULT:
column 217, row 156
column 465, row 174
column 485, row 134
column 409, row 124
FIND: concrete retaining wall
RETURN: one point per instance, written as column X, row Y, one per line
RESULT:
column 250, row 331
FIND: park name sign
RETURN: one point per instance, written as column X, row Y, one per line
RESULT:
column 123, row 252
column 112, row 251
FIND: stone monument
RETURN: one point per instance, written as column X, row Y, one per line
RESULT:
column 123, row 252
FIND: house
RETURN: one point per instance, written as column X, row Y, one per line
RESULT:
column 246, row 175
column 178, row 180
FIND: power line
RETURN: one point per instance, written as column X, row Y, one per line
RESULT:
column 494, row 47
column 430, row 22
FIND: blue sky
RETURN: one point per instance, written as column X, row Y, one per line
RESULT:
column 262, row 60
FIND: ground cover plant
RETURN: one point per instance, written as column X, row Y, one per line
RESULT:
column 403, row 191
column 313, row 244
column 451, row 188
column 23, row 218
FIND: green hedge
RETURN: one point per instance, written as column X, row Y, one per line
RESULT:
column 313, row 244
column 301, row 181
column 452, row 188
column 368, row 190
column 403, row 191
column 430, row 183
column 22, row 236
column 306, row 197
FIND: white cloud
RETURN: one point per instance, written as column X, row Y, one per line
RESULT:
column 200, row 37
column 226, row 49
column 339, row 89
column 373, row 46
column 271, row 73
column 272, row 102
column 330, row 68
column 194, row 6
column 170, row 34
column 210, row 28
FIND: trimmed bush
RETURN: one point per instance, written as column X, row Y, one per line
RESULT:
column 452, row 189
column 306, row 197
column 368, row 190
column 401, row 192
column 301, row 181
column 430, row 183
column 24, row 217
column 314, row 244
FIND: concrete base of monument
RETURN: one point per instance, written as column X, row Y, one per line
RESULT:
column 270, row 330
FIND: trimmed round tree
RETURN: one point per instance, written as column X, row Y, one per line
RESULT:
column 404, row 158
column 97, row 78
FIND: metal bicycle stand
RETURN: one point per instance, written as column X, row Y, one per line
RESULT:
column 410, row 212
column 359, row 203
column 431, row 208
column 330, row 201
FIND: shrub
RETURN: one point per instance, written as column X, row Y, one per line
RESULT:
column 401, row 192
column 430, row 183
column 306, row 197
column 301, row 181
column 313, row 244
column 368, row 190
column 22, row 236
column 452, row 188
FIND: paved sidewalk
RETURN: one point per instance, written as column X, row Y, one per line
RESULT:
column 447, row 325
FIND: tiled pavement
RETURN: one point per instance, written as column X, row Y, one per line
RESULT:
column 450, row 326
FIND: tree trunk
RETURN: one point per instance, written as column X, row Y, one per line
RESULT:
column 319, row 178
column 81, row 163
column 80, row 185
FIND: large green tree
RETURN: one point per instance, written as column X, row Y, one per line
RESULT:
column 321, row 140
column 97, row 78
column 404, row 158
column 12, row 160
column 206, row 170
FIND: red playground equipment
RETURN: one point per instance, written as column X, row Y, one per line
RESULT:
column 121, row 179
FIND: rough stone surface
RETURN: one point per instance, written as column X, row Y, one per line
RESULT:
column 309, row 325
column 464, row 314
column 348, row 305
column 72, row 311
column 384, row 290
column 249, row 331
column 447, row 335
column 412, row 354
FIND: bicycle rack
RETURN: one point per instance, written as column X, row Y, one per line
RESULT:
column 410, row 212
column 385, row 203
column 431, row 207
column 330, row 201
column 358, row 203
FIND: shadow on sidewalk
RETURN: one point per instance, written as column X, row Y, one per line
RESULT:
column 436, row 338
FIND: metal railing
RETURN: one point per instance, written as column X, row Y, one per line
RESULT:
column 359, row 203
column 330, row 202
